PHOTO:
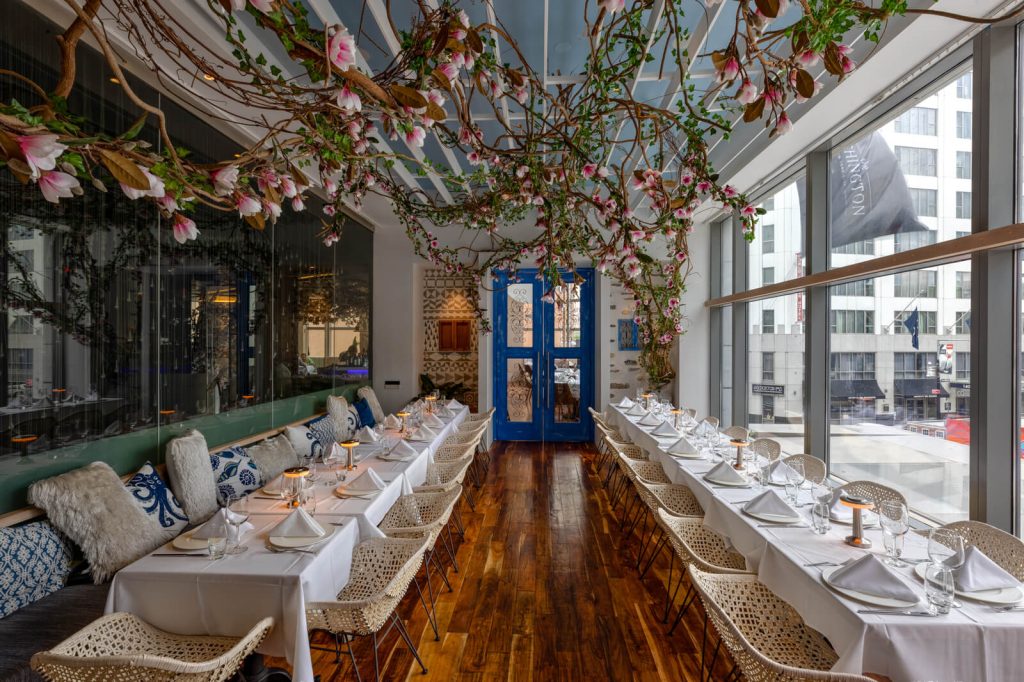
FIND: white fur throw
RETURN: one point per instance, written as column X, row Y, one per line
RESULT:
column 92, row 507
column 337, row 409
column 191, row 476
column 368, row 394
column 273, row 456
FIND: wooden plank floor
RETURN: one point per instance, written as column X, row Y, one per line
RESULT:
column 546, row 589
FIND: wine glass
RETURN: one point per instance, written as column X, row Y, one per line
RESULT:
column 947, row 548
column 895, row 521
column 795, row 477
column 236, row 512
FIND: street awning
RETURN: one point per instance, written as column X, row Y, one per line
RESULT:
column 919, row 388
column 856, row 388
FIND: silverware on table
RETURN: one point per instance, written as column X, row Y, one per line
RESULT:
column 897, row 612
column 281, row 550
column 202, row 554
column 821, row 563
column 1008, row 608
column 782, row 525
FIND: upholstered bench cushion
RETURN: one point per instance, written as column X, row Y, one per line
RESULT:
column 45, row 623
column 273, row 456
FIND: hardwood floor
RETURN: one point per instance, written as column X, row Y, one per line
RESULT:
column 547, row 589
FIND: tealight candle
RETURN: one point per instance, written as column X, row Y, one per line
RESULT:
column 294, row 477
column 647, row 400
column 739, row 444
column 431, row 401
column 677, row 415
column 403, row 414
column 858, row 505
column 350, row 445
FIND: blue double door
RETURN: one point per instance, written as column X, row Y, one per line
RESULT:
column 544, row 357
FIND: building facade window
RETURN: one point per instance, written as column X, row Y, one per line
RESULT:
column 767, row 276
column 965, row 86
column 918, row 121
column 851, row 366
column 925, row 202
column 926, row 323
column 864, row 247
column 963, row 165
column 963, row 366
column 852, row 321
column 767, row 239
column 964, row 127
column 768, row 321
column 906, row 241
column 963, row 205
column 768, row 366
column 864, row 287
column 962, row 324
column 912, row 365
column 917, row 160
column 917, row 284
column 963, row 285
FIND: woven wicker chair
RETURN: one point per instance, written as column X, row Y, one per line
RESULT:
column 764, row 635
column 677, row 500
column 999, row 546
column 621, row 449
column 120, row 647
column 481, row 417
column 767, row 448
column 382, row 569
column 713, row 421
column 443, row 476
column 697, row 545
column 814, row 468
column 478, row 428
column 876, row 492
column 604, row 449
column 426, row 515
column 736, row 432
column 452, row 452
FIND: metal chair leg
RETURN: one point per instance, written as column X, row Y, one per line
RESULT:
column 431, row 613
column 408, row 641
column 671, row 599
column 658, row 546
column 352, row 654
column 714, row 659
column 688, row 599
column 376, row 660
column 457, row 517
column 440, row 569
column 448, row 547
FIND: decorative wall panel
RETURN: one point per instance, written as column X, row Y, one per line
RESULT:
column 450, row 297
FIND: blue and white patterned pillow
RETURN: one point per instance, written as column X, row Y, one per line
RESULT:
column 155, row 499
column 234, row 473
column 322, row 431
column 35, row 560
column 304, row 442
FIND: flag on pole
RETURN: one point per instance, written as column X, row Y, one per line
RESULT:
column 910, row 323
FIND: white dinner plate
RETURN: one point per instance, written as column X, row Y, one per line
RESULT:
column 731, row 484
column 870, row 520
column 1006, row 595
column 293, row 543
column 187, row 543
column 692, row 455
column 775, row 518
column 872, row 599
column 355, row 495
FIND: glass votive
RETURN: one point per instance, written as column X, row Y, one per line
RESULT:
column 216, row 547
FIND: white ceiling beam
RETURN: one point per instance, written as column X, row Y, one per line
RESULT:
column 493, row 20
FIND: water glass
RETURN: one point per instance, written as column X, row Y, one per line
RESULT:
column 216, row 547
column 895, row 520
column 822, row 524
column 938, row 581
column 237, row 508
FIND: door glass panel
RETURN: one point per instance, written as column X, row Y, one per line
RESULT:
column 567, row 316
column 520, row 316
column 519, row 396
column 567, row 390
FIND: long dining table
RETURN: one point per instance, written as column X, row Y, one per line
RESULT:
column 970, row 644
column 194, row 595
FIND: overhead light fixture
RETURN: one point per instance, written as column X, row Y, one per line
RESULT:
column 114, row 80
column 209, row 77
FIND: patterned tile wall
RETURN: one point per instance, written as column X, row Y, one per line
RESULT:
column 448, row 297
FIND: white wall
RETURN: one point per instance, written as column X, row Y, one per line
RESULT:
column 693, row 371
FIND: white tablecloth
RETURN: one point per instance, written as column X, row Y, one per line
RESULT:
column 227, row 597
column 971, row 644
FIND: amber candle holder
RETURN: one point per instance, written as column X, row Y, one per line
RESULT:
column 647, row 400
column 858, row 505
column 739, row 445
column 431, row 402
column 294, row 478
column 677, row 415
column 402, row 415
column 350, row 446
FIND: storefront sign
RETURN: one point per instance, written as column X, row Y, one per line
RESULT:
column 767, row 389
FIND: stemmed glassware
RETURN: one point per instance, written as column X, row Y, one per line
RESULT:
column 795, row 477
column 895, row 520
column 947, row 549
column 236, row 512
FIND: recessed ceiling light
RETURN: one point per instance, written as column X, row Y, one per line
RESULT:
column 209, row 77
column 114, row 80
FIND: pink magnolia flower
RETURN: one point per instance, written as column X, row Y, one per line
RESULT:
column 522, row 171
column 638, row 235
column 748, row 210
column 331, row 185
column 521, row 94
column 329, row 210
column 262, row 5
column 297, row 203
column 463, row 18
column 631, row 266
column 341, row 48
column 729, row 191
column 800, row 99
column 458, row 33
column 589, row 170
column 415, row 136
column 470, row 62
column 450, row 70
column 332, row 239
column 807, row 58
column 729, row 70
column 703, row 186
column 184, row 228
column 612, row 6
column 549, row 296
column 41, row 152
column 272, row 209
column 168, row 203
column 747, row 93
column 156, row 188
column 784, row 124
column 772, row 95
column 436, row 96
column 680, row 256
column 56, row 185
column 288, row 187
column 247, row 205
column 224, row 180
column 348, row 100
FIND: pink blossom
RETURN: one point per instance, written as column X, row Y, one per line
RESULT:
column 156, row 188
column 41, row 152
column 331, row 239
column 262, row 5
column 638, row 235
column 415, row 136
column 288, row 187
column 631, row 266
column 267, row 178
column 549, row 296
column 729, row 191
column 680, row 256
column 348, row 100
column 470, row 62
column 729, row 70
column 224, row 180
column 297, row 203
column 522, row 171
column 747, row 93
column 807, row 58
column 341, row 48
column 329, row 210
column 168, row 203
column 748, row 210
column 436, row 97
column 458, row 33
column 56, row 185
column 784, row 124
column 703, row 186
column 589, row 170
column 463, row 18
column 612, row 6
column 247, row 205
column 521, row 94
column 272, row 209
column 184, row 228
column 772, row 95
column 331, row 185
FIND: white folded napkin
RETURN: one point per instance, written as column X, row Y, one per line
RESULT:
column 218, row 527
column 725, row 473
column 368, row 481
column 446, row 413
column 626, row 403
column 406, row 485
column 666, row 430
column 298, row 524
column 368, row 531
column 770, row 503
column 454, row 404
column 366, row 435
column 682, row 447
column 392, row 422
column 981, row 573
column 779, row 471
column 433, row 422
column 870, row 576
column 403, row 451
column 425, row 434
column 636, row 411
column 649, row 420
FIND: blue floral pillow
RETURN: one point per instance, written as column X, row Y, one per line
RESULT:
column 155, row 499
column 234, row 473
column 35, row 560
column 365, row 413
column 321, row 430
